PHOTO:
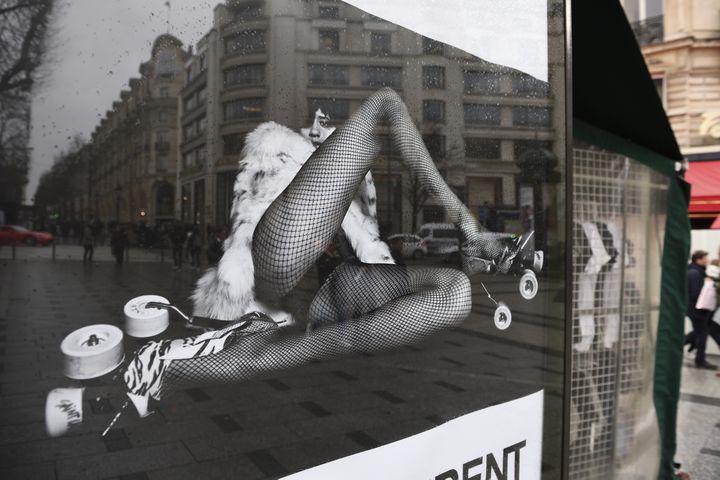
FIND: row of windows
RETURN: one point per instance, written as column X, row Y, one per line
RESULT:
column 253, row 41
column 475, row 147
column 433, row 111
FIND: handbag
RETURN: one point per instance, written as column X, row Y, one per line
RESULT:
column 707, row 300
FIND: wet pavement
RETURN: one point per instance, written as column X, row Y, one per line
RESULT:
column 264, row 428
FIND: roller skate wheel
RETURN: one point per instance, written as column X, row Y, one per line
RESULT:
column 63, row 410
column 141, row 322
column 503, row 317
column 92, row 351
column 528, row 285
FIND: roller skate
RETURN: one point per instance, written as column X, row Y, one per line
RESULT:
column 95, row 356
column 517, row 257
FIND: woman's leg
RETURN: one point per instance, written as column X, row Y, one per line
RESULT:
column 302, row 221
column 362, row 308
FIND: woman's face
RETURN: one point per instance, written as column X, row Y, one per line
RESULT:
column 320, row 129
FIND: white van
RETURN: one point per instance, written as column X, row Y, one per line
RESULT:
column 440, row 238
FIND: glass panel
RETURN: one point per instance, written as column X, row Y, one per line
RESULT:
column 314, row 130
column 619, row 207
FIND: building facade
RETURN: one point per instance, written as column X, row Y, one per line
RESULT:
column 683, row 56
column 132, row 156
column 281, row 61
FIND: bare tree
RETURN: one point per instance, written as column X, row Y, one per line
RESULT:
column 23, row 35
column 22, row 42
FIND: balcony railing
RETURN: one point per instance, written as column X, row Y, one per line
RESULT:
column 649, row 30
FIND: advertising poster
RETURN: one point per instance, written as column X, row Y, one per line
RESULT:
column 350, row 219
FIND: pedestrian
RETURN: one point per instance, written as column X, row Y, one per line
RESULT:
column 700, row 318
column 194, row 246
column 87, row 241
column 177, row 238
column 215, row 246
column 118, row 243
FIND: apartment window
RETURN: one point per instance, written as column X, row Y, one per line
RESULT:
column 189, row 75
column 433, row 110
column 531, row 116
column 527, row 86
column 660, row 88
column 202, row 125
column 432, row 47
column 189, row 159
column 247, row 10
column 189, row 103
column 161, row 162
column 245, row 42
column 328, row 12
column 482, row 148
column 233, row 143
column 380, row 43
column 336, row 108
column 162, row 115
column 481, row 82
column 201, row 95
column 164, row 92
column 433, row 77
column 201, row 156
column 523, row 147
column 202, row 62
column 435, row 144
column 381, row 76
column 189, row 131
column 480, row 114
column 244, row 109
column 329, row 40
column 323, row 74
column 252, row 74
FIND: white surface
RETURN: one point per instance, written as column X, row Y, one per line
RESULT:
column 144, row 322
column 63, row 408
column 708, row 240
column 437, row 452
column 506, row 32
column 84, row 360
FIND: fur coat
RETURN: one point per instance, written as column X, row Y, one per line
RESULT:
column 272, row 156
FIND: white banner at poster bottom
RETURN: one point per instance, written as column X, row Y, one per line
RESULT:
column 502, row 441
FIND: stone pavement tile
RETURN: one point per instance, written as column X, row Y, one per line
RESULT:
column 155, row 430
column 123, row 462
column 312, row 452
column 220, row 445
column 238, row 467
column 50, row 449
column 37, row 471
column 21, row 415
column 267, row 463
column 26, row 432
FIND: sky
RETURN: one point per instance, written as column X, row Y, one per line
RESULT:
column 96, row 46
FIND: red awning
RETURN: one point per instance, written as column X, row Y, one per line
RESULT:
column 705, row 194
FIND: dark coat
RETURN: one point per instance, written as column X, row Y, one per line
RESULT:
column 696, row 278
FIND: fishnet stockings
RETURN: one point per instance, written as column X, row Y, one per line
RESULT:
column 360, row 308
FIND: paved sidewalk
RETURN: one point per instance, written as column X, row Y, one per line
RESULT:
column 264, row 428
column 698, row 436
column 102, row 253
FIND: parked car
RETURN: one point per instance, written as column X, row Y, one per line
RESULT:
column 15, row 234
column 412, row 245
column 440, row 238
